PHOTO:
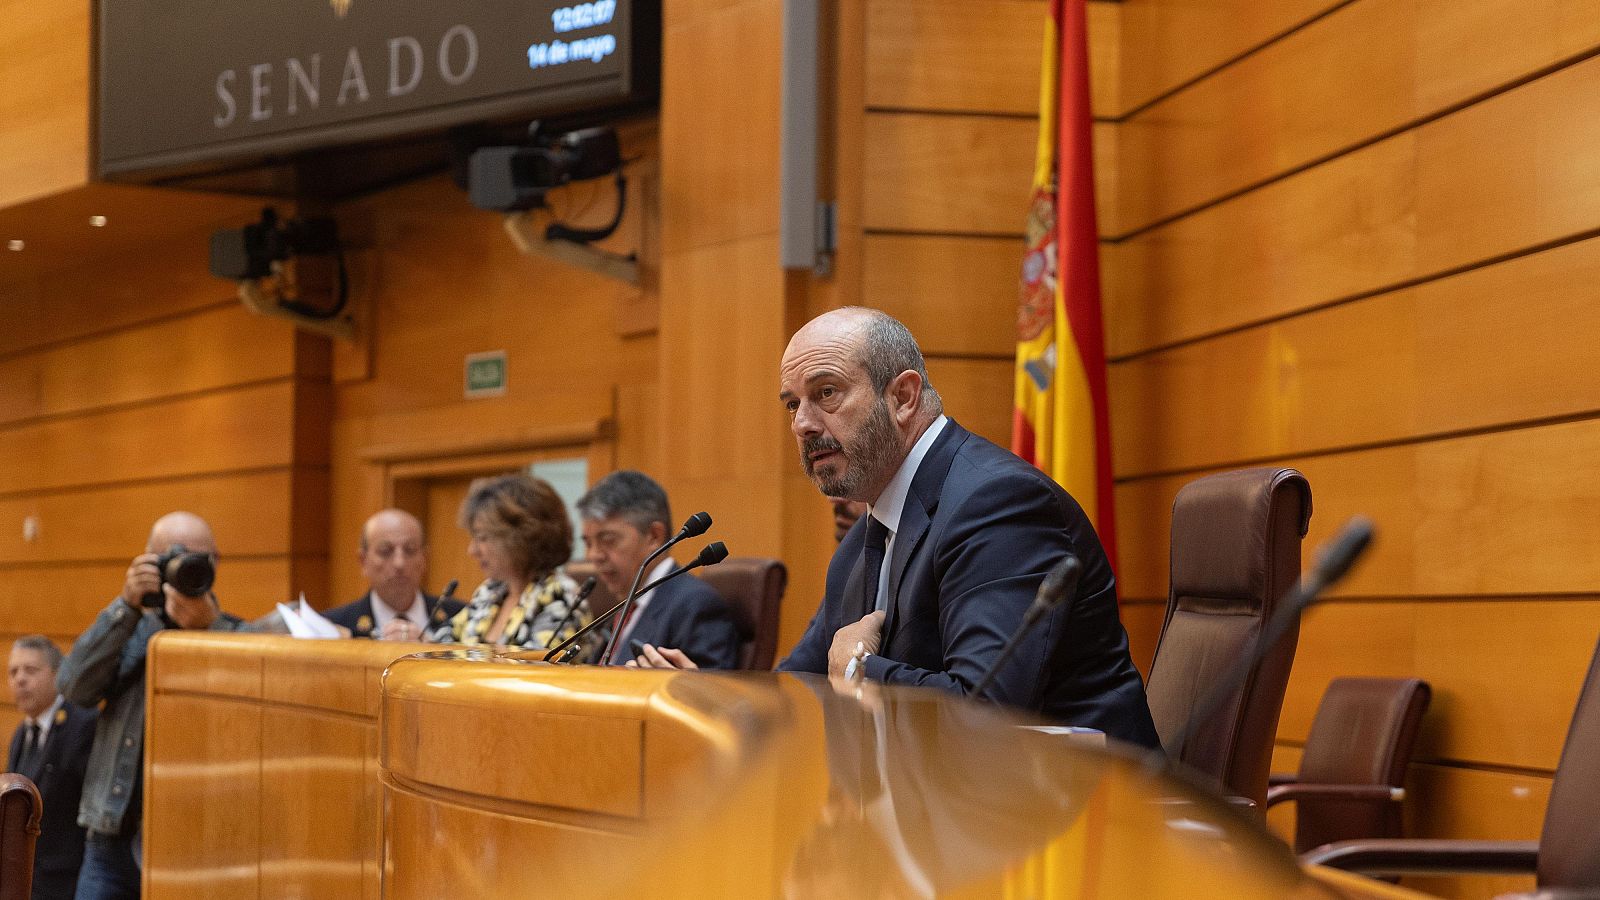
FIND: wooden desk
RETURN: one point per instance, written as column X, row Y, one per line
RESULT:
column 283, row 768
column 261, row 766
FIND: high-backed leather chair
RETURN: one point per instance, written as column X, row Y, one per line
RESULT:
column 1565, row 860
column 19, row 831
column 1235, row 552
column 754, row 587
column 1352, row 773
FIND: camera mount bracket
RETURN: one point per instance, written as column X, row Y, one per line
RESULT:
column 294, row 293
column 529, row 231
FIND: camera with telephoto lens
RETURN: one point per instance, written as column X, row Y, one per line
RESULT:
column 190, row 574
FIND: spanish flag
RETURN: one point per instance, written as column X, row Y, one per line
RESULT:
column 1061, row 423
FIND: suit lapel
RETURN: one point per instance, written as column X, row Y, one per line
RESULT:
column 921, row 501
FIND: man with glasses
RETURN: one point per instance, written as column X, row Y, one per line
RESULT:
column 394, row 558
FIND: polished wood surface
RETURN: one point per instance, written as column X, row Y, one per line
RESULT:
column 44, row 71
column 1166, row 45
column 1366, row 69
column 824, row 790
column 976, row 55
column 261, row 766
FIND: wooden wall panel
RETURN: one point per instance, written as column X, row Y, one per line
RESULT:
column 977, row 392
column 62, row 599
column 953, row 174
column 1496, row 178
column 1505, row 673
column 958, row 295
column 1167, row 44
column 209, row 433
column 249, row 514
column 215, row 348
column 1497, row 514
column 976, row 55
column 1398, row 366
column 1363, row 70
column 44, row 66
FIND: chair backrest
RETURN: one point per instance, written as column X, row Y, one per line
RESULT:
column 1235, row 552
column 754, row 587
column 1569, row 854
column 19, row 831
column 1364, row 733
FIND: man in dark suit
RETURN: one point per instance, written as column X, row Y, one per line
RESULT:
column 931, row 583
column 625, row 518
column 394, row 558
column 51, row 746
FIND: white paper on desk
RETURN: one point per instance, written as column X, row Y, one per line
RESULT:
column 306, row 622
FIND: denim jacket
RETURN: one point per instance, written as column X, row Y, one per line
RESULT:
column 107, row 663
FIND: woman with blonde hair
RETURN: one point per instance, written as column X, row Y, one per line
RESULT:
column 520, row 537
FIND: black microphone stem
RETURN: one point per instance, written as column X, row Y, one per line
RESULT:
column 582, row 595
column 688, row 530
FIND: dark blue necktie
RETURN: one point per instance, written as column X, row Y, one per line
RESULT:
column 872, row 556
column 29, row 762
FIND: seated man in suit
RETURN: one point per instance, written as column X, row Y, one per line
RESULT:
column 394, row 557
column 958, row 535
column 51, row 746
column 625, row 518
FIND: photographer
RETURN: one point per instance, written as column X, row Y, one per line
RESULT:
column 167, row 586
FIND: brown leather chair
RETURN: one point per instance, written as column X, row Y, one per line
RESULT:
column 754, row 587
column 1565, row 860
column 19, row 831
column 1352, row 774
column 1235, row 553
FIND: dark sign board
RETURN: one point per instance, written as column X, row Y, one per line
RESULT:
column 190, row 86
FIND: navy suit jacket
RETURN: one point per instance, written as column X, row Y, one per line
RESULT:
column 979, row 531
column 351, row 615
column 59, row 776
column 688, row 614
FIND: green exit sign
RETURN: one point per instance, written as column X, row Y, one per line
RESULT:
column 486, row 374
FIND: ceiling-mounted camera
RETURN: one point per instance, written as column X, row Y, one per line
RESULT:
column 292, row 269
column 516, row 179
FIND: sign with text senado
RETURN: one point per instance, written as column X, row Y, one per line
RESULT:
column 204, row 84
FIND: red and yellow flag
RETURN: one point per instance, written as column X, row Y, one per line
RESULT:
column 1061, row 423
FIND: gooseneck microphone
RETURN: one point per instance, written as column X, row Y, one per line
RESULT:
column 572, row 608
column 1058, row 584
column 449, row 592
column 712, row 554
column 1334, row 560
column 693, row 526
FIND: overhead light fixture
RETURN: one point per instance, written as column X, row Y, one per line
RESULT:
column 15, row 245
column 97, row 221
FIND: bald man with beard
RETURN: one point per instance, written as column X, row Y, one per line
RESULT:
column 107, row 664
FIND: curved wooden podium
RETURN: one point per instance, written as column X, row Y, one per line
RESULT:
column 474, row 775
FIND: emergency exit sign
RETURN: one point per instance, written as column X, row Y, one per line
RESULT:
column 486, row 374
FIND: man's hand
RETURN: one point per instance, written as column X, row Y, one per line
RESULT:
column 400, row 629
column 189, row 612
column 143, row 578
column 661, row 658
column 868, row 632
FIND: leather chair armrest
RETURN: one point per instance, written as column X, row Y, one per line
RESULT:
column 1298, row 791
column 1401, row 856
column 1277, row 778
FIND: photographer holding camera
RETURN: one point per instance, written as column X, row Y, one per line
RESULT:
column 167, row 586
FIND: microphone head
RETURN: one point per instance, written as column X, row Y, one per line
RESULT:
column 1058, row 583
column 587, row 589
column 695, row 525
column 714, row 552
column 1335, row 557
column 449, row 589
